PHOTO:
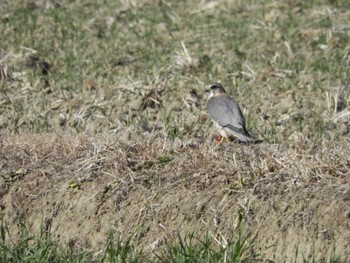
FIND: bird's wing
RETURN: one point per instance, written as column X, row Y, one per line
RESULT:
column 225, row 111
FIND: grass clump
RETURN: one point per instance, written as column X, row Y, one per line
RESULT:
column 191, row 248
column 39, row 248
column 188, row 248
column 43, row 248
column 117, row 251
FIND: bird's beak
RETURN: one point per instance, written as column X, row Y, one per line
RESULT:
column 207, row 88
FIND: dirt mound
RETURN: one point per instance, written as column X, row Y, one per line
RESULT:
column 149, row 188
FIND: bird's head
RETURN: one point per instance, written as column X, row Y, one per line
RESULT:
column 215, row 89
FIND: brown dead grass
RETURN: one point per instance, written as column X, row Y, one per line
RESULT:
column 129, row 77
column 149, row 187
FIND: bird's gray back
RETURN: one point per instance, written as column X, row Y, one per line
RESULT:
column 225, row 111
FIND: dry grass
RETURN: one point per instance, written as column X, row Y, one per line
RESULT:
column 138, row 63
column 103, row 124
column 150, row 187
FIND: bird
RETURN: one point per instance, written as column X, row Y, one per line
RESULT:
column 226, row 114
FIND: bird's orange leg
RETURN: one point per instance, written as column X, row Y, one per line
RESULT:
column 219, row 139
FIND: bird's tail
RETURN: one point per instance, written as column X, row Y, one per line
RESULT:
column 244, row 137
column 241, row 134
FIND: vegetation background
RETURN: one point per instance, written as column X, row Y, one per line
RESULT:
column 107, row 154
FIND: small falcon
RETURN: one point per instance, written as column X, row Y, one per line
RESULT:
column 226, row 114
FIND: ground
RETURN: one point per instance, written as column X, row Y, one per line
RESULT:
column 148, row 187
column 103, row 124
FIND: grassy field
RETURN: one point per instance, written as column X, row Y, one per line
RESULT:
column 103, row 129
